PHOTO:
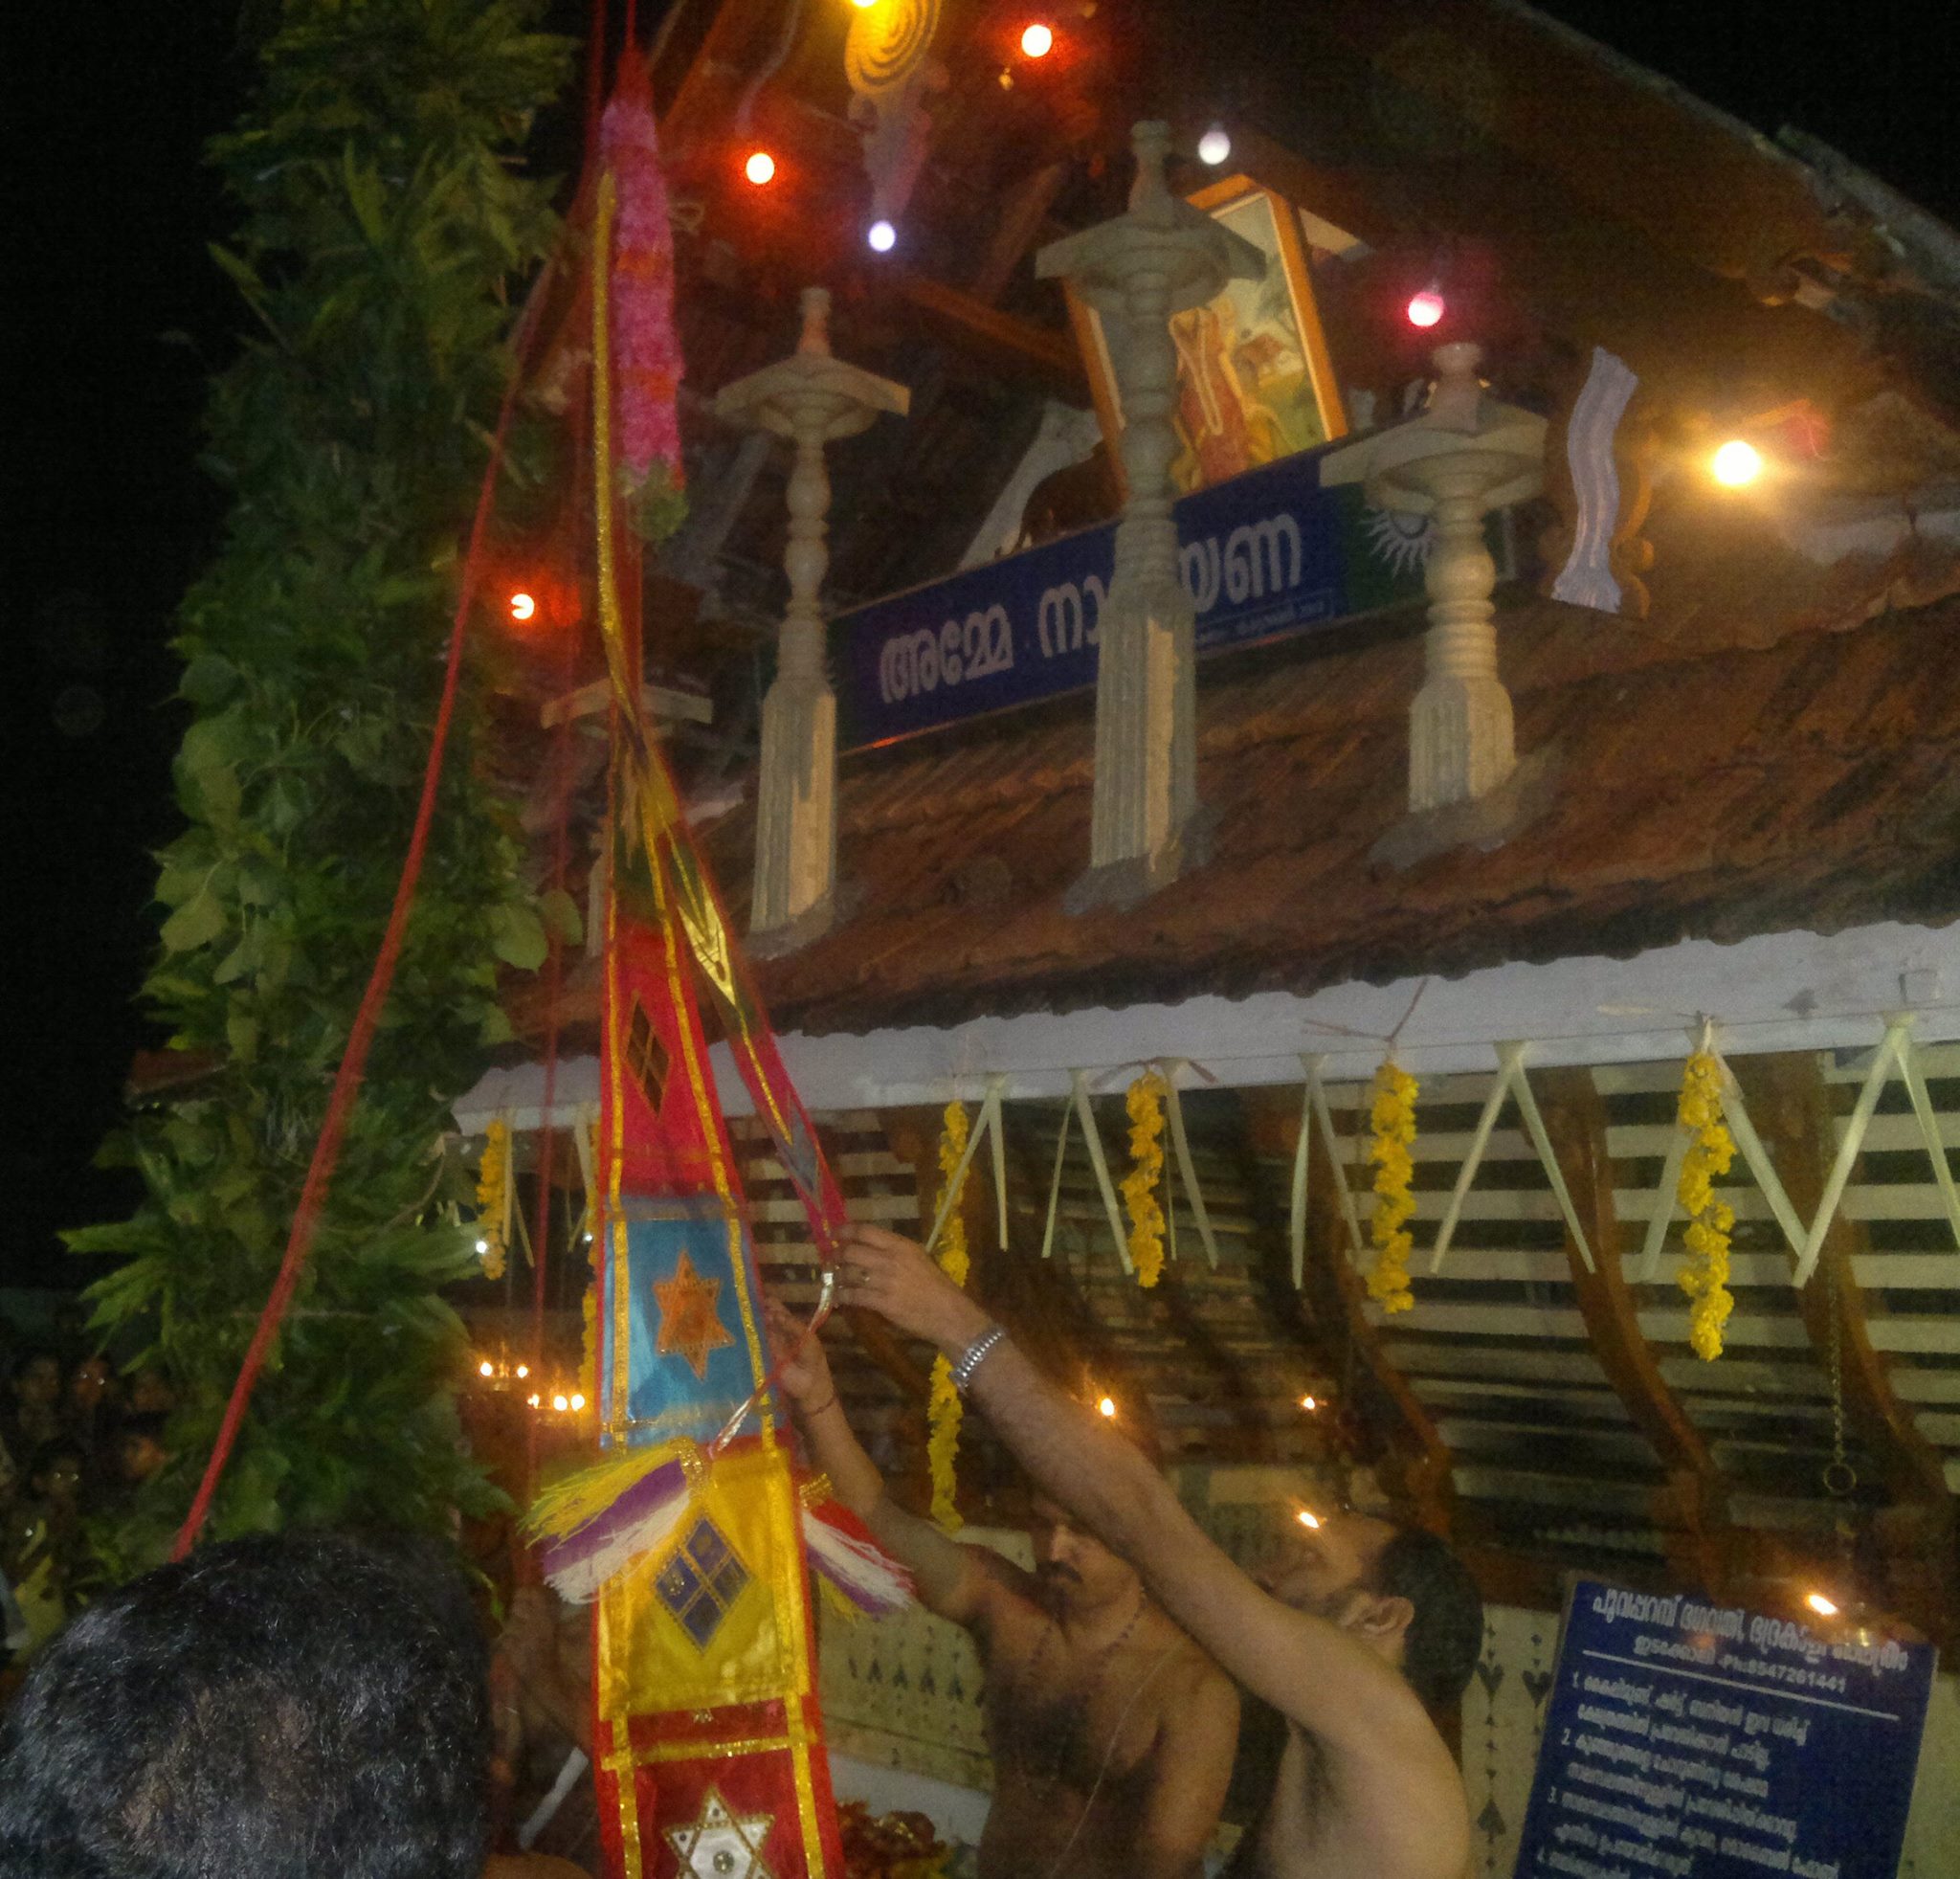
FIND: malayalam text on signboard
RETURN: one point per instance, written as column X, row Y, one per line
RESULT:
column 1689, row 1740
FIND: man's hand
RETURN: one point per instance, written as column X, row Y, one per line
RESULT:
column 891, row 1276
column 805, row 1373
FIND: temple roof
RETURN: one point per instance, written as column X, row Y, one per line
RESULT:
column 1666, row 794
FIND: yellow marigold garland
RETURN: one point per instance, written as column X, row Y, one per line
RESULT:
column 944, row 1411
column 1146, row 1106
column 1393, row 1118
column 1704, row 1276
column 493, row 1177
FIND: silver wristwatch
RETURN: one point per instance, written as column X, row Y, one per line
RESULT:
column 974, row 1356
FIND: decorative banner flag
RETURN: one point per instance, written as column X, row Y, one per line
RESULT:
column 688, row 1530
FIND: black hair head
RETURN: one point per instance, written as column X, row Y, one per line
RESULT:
column 292, row 1707
column 1439, row 1649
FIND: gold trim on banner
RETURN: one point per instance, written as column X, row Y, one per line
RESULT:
column 622, row 1761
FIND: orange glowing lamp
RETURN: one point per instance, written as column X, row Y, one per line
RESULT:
column 1037, row 39
column 523, row 607
column 760, row 167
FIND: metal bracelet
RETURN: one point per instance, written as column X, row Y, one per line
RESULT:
column 974, row 1356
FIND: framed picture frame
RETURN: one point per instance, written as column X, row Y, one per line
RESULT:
column 1254, row 381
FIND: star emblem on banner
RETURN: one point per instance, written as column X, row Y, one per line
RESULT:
column 721, row 1843
column 691, row 1326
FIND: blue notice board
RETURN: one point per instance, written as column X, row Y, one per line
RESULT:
column 1263, row 554
column 1689, row 1740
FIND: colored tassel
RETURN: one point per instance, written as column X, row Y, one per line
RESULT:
column 598, row 1521
column 851, row 1562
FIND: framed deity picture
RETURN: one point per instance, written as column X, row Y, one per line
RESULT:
column 1253, row 378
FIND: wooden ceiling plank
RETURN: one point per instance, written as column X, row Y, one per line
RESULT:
column 1691, row 1510
column 1790, row 1102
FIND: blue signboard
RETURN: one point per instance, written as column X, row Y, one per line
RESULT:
column 1265, row 553
column 1689, row 1740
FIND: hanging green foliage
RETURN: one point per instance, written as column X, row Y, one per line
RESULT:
column 386, row 229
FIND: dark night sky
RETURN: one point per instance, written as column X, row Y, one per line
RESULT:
column 116, row 315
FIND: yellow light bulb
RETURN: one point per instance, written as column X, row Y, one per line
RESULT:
column 1308, row 1519
column 486, row 1368
column 533, row 1399
column 1038, row 40
column 1736, row 464
column 1310, row 1404
column 578, row 1401
column 760, row 167
column 524, row 1371
column 560, row 1402
column 523, row 607
column 1821, row 1605
column 1106, row 1406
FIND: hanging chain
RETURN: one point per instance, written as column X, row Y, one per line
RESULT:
column 1840, row 1477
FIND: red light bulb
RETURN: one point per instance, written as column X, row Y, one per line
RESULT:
column 1426, row 308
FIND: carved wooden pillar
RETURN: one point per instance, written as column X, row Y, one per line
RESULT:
column 1160, row 257
column 1466, row 456
column 811, row 398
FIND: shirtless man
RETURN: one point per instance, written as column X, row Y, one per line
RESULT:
column 1359, row 1627
column 1111, row 1734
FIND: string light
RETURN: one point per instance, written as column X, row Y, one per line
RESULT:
column 578, row 1401
column 1037, row 39
column 522, row 1371
column 482, row 1245
column 1308, row 1519
column 522, row 606
column 1823, row 1607
column 760, row 167
column 1215, row 146
column 1426, row 308
column 533, row 1399
column 882, row 236
column 486, row 1368
column 1106, row 1407
column 561, row 1403
column 1310, row 1404
column 1736, row 464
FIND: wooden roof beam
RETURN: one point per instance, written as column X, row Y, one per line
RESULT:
column 1419, row 1471
column 1789, row 1104
column 1003, row 339
column 1691, row 1508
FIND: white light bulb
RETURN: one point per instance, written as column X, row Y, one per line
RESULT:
column 1215, row 146
column 882, row 236
column 482, row 1245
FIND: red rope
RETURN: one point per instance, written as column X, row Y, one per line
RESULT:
column 346, row 1083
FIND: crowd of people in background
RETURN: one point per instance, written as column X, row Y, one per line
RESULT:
column 77, row 1439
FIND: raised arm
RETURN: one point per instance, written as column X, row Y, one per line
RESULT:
column 1310, row 1669
column 953, row 1580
